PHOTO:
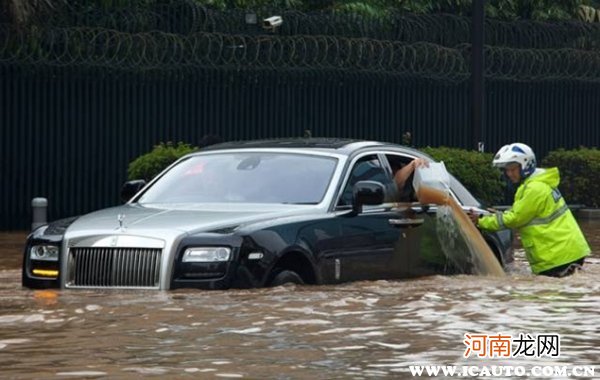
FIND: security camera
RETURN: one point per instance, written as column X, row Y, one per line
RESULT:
column 272, row 22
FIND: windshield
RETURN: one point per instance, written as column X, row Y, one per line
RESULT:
column 245, row 178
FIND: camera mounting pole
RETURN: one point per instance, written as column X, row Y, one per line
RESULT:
column 477, row 75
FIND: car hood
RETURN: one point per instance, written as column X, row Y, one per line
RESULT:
column 186, row 218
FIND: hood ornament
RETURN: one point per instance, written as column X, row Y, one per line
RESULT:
column 120, row 219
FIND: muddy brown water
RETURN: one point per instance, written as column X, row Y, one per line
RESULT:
column 484, row 259
column 356, row 330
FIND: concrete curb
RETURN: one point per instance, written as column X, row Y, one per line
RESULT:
column 588, row 214
column 578, row 210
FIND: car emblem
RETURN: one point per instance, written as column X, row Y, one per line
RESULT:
column 121, row 218
column 113, row 241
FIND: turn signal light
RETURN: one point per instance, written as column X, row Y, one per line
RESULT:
column 45, row 272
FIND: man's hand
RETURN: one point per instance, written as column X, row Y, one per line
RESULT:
column 473, row 216
column 401, row 176
column 420, row 162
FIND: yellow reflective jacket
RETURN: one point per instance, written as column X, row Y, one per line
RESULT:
column 549, row 232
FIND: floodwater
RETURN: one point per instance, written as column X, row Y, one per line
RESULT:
column 356, row 330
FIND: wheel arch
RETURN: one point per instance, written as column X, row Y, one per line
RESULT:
column 296, row 260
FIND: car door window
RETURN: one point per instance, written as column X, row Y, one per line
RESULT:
column 367, row 168
column 457, row 190
column 397, row 162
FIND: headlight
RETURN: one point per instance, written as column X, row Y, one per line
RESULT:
column 43, row 252
column 206, row 254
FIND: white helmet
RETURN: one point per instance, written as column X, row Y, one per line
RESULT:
column 516, row 153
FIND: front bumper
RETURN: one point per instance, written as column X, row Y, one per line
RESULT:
column 100, row 263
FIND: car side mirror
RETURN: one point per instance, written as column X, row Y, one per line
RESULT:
column 131, row 188
column 367, row 193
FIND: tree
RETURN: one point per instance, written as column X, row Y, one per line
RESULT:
column 25, row 12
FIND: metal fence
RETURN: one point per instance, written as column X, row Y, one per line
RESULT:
column 82, row 96
column 69, row 136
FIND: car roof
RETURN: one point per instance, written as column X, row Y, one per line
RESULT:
column 339, row 145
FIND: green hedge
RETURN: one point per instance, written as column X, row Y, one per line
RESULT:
column 579, row 169
column 579, row 174
column 474, row 170
column 150, row 164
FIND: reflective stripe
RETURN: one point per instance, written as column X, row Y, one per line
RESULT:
column 556, row 195
column 499, row 218
column 550, row 218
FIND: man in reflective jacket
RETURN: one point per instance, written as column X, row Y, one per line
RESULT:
column 553, row 241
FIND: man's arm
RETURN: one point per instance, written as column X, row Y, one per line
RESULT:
column 402, row 175
column 522, row 211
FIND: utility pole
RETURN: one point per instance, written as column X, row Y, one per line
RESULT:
column 477, row 75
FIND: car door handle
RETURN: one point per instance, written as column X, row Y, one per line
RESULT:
column 406, row 222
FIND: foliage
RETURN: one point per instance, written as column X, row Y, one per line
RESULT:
column 580, row 174
column 150, row 164
column 22, row 11
column 579, row 171
column 589, row 12
column 474, row 170
column 532, row 9
column 499, row 9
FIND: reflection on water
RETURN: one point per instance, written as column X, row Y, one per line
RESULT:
column 356, row 330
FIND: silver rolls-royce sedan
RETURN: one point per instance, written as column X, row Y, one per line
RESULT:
column 254, row 214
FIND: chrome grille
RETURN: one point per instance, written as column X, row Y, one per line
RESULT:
column 113, row 268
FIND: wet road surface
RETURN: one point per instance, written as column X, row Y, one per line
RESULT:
column 356, row 330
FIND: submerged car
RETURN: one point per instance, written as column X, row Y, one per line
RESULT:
column 255, row 214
